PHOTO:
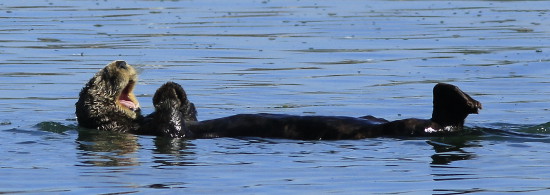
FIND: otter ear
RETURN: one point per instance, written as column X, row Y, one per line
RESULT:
column 452, row 105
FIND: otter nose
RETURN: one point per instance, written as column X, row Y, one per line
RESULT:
column 121, row 64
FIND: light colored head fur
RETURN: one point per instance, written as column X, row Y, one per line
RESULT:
column 107, row 102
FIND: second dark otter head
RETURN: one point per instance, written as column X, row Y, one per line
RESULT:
column 451, row 105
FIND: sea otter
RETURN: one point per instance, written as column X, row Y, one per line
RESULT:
column 107, row 102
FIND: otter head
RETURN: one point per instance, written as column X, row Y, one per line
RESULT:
column 107, row 102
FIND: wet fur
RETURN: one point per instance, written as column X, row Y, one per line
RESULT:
column 451, row 107
column 97, row 105
column 172, row 112
column 176, row 116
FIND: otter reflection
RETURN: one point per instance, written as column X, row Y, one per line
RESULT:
column 109, row 149
column 450, row 149
column 112, row 149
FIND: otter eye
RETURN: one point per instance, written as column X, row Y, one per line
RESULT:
column 121, row 64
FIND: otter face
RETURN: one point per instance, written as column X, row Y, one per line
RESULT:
column 122, row 79
column 107, row 102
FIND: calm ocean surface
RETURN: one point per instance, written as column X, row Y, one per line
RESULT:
column 349, row 58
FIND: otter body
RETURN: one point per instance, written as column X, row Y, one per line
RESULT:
column 313, row 127
column 107, row 102
column 451, row 107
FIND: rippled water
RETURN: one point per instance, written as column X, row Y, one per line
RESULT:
column 348, row 58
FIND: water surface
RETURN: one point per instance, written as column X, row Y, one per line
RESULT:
column 349, row 58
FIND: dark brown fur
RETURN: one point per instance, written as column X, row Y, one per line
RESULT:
column 172, row 112
column 175, row 116
column 451, row 107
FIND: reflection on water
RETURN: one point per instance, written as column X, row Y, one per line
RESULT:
column 112, row 149
column 107, row 148
column 173, row 152
column 446, row 153
column 350, row 58
column 115, row 162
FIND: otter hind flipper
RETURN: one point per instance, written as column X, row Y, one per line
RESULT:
column 451, row 105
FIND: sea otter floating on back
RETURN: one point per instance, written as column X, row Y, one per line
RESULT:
column 107, row 102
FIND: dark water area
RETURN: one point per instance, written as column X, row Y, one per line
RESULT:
column 348, row 58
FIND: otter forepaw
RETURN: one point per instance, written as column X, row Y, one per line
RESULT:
column 172, row 96
column 166, row 97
